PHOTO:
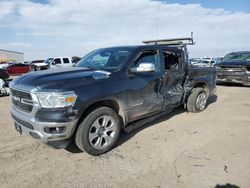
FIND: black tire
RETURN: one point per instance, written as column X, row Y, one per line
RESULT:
column 192, row 105
column 86, row 127
column 33, row 68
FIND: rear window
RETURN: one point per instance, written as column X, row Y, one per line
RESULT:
column 65, row 60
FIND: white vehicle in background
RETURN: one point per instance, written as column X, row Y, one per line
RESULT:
column 4, row 82
column 4, row 65
column 53, row 63
column 203, row 62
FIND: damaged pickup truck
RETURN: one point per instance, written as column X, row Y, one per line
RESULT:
column 234, row 68
column 108, row 90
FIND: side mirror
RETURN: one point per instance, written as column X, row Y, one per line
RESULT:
column 144, row 68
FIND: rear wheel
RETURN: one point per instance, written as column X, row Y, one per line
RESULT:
column 99, row 131
column 197, row 100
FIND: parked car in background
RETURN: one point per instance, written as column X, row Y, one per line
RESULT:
column 52, row 63
column 4, row 65
column 218, row 59
column 4, row 76
column 193, row 61
column 17, row 68
column 203, row 62
column 75, row 59
column 234, row 68
column 38, row 65
column 61, row 62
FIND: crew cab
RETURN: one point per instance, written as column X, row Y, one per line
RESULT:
column 108, row 90
column 234, row 68
column 52, row 63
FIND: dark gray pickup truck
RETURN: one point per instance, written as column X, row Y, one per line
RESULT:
column 234, row 68
column 108, row 90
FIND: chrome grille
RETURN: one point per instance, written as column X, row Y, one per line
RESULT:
column 231, row 70
column 21, row 100
column 230, row 73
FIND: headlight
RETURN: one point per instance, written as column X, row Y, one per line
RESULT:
column 56, row 100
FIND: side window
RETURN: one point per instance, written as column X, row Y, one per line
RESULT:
column 57, row 61
column 65, row 60
column 172, row 60
column 148, row 57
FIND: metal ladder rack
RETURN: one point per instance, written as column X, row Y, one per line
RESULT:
column 171, row 42
column 179, row 42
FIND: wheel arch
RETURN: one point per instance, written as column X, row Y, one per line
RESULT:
column 192, row 87
column 111, row 103
column 202, row 85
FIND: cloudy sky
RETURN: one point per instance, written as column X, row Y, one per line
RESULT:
column 44, row 28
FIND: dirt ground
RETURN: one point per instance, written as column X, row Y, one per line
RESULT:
column 182, row 149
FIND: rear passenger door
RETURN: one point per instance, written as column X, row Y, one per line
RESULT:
column 174, row 76
column 66, row 63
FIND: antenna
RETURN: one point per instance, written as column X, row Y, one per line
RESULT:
column 157, row 20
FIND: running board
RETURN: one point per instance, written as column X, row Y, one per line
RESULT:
column 139, row 123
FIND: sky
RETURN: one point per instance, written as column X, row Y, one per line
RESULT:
column 49, row 28
column 230, row 5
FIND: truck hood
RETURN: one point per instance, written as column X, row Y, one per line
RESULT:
column 58, row 79
column 236, row 63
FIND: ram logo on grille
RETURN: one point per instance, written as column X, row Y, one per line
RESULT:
column 16, row 98
column 21, row 100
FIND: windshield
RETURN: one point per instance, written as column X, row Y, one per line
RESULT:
column 105, row 59
column 237, row 57
column 48, row 61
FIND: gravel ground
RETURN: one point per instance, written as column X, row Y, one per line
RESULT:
column 208, row 149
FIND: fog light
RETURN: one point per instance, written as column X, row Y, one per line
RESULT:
column 55, row 130
column 35, row 135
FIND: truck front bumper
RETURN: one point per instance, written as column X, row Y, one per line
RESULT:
column 237, row 80
column 43, row 131
column 230, row 76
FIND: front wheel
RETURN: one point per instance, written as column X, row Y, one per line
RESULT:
column 197, row 100
column 34, row 68
column 99, row 131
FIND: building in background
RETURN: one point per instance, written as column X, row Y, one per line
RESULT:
column 11, row 56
